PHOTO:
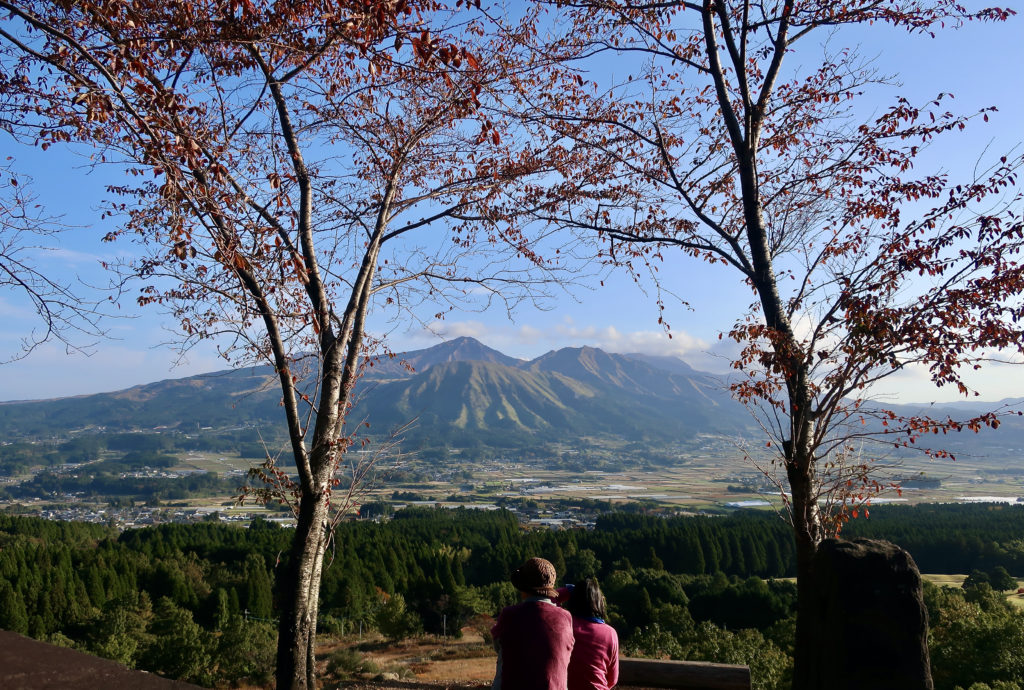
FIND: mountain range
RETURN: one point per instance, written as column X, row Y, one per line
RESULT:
column 458, row 393
column 463, row 390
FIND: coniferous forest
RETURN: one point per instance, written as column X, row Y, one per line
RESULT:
column 197, row 602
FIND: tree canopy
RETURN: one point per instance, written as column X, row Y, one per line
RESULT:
column 739, row 137
column 289, row 168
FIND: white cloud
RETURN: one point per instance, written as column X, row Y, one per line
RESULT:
column 449, row 330
column 73, row 257
column 611, row 339
column 994, row 381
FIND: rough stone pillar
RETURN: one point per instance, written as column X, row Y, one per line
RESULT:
column 869, row 619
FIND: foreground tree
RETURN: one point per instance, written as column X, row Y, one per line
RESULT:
column 290, row 164
column 859, row 267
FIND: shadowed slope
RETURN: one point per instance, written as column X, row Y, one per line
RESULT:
column 27, row 664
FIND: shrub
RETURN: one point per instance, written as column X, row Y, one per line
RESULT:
column 347, row 662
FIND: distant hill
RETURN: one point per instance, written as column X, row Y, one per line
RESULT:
column 228, row 398
column 568, row 393
column 460, row 393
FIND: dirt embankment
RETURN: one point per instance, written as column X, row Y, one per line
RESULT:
column 27, row 664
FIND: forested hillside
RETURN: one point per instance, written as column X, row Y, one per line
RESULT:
column 197, row 601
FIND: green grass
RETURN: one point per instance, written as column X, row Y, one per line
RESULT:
column 944, row 580
column 958, row 580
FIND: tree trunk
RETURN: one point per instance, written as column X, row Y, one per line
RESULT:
column 300, row 597
column 808, row 534
column 806, row 546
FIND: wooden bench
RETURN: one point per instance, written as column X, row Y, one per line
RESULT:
column 682, row 675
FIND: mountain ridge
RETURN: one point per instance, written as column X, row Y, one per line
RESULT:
column 462, row 387
column 459, row 393
column 462, row 348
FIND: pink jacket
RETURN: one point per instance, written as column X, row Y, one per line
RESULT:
column 595, row 656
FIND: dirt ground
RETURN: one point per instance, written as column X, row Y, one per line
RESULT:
column 450, row 685
column 27, row 664
column 463, row 664
column 467, row 661
column 453, row 664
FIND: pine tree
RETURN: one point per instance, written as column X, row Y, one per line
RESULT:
column 120, row 632
column 181, row 649
column 223, row 609
column 258, row 590
column 13, row 616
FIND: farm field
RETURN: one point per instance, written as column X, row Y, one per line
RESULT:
column 709, row 482
column 710, row 476
column 716, row 482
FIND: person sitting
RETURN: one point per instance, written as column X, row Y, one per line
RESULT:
column 534, row 637
column 594, row 664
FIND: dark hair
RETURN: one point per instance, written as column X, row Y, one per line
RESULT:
column 586, row 600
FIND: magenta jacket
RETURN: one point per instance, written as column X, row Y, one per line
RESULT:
column 536, row 640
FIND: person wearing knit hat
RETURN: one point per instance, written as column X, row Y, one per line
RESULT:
column 534, row 637
column 536, row 577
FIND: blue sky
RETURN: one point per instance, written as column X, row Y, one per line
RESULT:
column 980, row 64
